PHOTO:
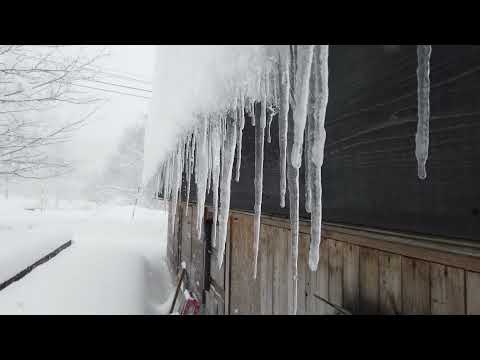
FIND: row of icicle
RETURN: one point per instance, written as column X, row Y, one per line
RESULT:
column 296, row 80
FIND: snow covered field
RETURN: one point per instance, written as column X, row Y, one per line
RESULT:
column 115, row 265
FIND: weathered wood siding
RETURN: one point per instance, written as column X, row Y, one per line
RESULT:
column 363, row 271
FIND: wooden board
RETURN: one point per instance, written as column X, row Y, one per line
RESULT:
column 290, row 283
column 197, row 251
column 322, row 276
column 227, row 267
column 351, row 277
column 244, row 291
column 310, row 286
column 186, row 239
column 280, row 272
column 473, row 293
column 390, row 283
column 447, row 290
column 415, row 287
column 335, row 273
column 265, row 268
column 310, row 281
column 177, row 236
column 302, row 266
column 368, row 277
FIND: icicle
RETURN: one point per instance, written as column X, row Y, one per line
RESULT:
column 241, row 125
column 318, row 135
column 209, row 158
column 190, row 160
column 283, row 69
column 216, row 149
column 422, row 136
column 157, row 186
column 177, row 182
column 259, row 145
column 308, row 156
column 201, row 173
column 252, row 111
column 228, row 155
column 302, row 79
column 293, row 192
column 275, row 89
column 271, row 113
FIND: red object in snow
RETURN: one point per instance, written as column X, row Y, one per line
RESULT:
column 191, row 307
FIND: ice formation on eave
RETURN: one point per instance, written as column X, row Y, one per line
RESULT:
column 292, row 83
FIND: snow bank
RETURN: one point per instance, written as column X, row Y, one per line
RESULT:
column 116, row 265
column 20, row 249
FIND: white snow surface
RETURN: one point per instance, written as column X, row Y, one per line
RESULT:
column 115, row 265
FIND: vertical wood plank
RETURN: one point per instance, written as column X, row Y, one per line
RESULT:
column 390, row 283
column 447, row 290
column 280, row 273
column 245, row 294
column 227, row 269
column 302, row 273
column 265, row 268
column 197, row 263
column 252, row 284
column 322, row 276
column 415, row 287
column 310, row 285
column 351, row 270
column 290, row 285
column 368, row 281
column 186, row 240
column 335, row 272
column 473, row 293
column 236, row 277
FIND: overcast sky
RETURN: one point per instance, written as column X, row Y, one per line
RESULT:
column 93, row 143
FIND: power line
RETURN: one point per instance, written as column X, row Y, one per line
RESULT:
column 119, row 85
column 112, row 91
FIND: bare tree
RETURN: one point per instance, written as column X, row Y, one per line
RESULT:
column 34, row 79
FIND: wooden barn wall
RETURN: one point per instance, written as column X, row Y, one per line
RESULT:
column 370, row 171
column 364, row 271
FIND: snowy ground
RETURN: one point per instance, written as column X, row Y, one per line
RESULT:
column 116, row 265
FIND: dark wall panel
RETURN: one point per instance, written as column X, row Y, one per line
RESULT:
column 370, row 171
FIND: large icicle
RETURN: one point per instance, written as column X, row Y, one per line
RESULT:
column 241, row 125
column 422, row 136
column 308, row 156
column 216, row 141
column 302, row 84
column 259, row 146
column 228, row 155
column 190, row 161
column 201, row 169
column 293, row 192
column 284, row 76
column 209, row 157
column 318, row 136
column 177, row 181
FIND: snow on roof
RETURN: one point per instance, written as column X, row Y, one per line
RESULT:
column 194, row 79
